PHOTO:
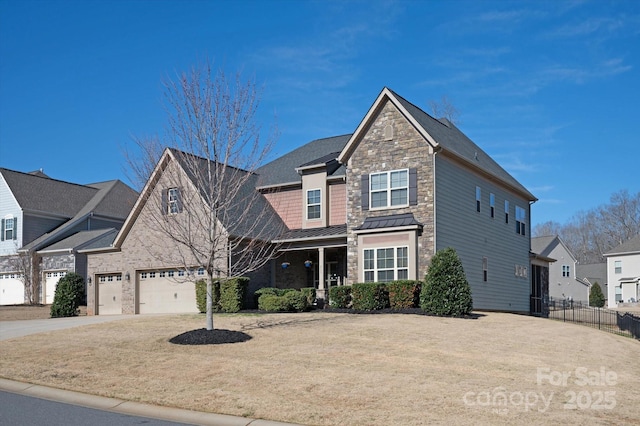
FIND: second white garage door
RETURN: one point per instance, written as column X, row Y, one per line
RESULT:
column 163, row 292
column 50, row 284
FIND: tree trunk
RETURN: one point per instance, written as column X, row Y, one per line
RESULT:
column 209, row 304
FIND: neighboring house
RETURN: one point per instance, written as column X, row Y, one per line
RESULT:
column 374, row 205
column 53, row 219
column 593, row 273
column 563, row 282
column 623, row 273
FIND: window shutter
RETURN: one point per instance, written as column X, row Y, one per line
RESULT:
column 165, row 194
column 2, row 231
column 365, row 191
column 179, row 200
column 15, row 228
column 413, row 187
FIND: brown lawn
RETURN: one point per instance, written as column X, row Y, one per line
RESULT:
column 338, row 369
column 29, row 312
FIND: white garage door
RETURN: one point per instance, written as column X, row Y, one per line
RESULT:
column 11, row 290
column 50, row 284
column 109, row 294
column 165, row 292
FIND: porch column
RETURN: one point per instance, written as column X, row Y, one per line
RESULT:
column 321, row 293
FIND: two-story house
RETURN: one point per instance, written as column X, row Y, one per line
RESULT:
column 564, row 284
column 374, row 205
column 623, row 273
column 51, row 220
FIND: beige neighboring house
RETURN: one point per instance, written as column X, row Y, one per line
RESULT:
column 623, row 273
column 563, row 281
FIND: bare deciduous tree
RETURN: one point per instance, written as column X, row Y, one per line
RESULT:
column 27, row 265
column 445, row 108
column 591, row 234
column 215, row 217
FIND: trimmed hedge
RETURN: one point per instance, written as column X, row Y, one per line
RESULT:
column 201, row 296
column 68, row 296
column 404, row 294
column 281, row 300
column 369, row 296
column 232, row 292
column 340, row 297
column 228, row 295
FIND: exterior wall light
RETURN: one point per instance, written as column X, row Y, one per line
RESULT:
column 285, row 265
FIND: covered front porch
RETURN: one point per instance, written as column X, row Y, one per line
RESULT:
column 315, row 258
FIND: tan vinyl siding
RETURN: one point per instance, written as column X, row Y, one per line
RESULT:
column 476, row 235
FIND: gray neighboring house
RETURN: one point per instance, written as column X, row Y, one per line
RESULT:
column 563, row 281
column 593, row 273
column 54, row 219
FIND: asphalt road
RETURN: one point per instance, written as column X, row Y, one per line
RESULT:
column 18, row 410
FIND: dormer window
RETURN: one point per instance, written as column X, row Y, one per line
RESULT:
column 313, row 204
column 389, row 189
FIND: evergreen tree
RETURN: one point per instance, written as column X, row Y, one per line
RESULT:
column 446, row 290
column 68, row 296
column 596, row 298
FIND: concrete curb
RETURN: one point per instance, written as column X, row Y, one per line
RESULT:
column 132, row 408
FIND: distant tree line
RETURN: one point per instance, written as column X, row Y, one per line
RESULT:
column 592, row 233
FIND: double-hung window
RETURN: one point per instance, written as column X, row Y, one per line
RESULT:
column 478, row 198
column 521, row 219
column 8, row 229
column 313, row 204
column 566, row 271
column 506, row 211
column 173, row 199
column 492, row 205
column 386, row 264
column 617, row 265
column 389, row 189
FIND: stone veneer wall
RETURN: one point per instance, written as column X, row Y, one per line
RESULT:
column 407, row 149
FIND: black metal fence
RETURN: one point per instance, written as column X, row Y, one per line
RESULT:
column 622, row 323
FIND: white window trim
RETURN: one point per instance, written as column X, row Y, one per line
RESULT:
column 319, row 204
column 395, row 268
column 617, row 267
column 521, row 220
column 388, row 190
column 172, row 201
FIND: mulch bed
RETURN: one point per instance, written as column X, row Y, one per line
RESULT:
column 202, row 336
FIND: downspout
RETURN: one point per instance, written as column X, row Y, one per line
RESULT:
column 435, row 208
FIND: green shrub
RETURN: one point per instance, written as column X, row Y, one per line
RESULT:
column 296, row 300
column 369, row 296
column 201, row 296
column 340, row 296
column 273, row 303
column 232, row 292
column 404, row 294
column 446, row 290
column 68, row 296
column 310, row 294
column 282, row 300
column 596, row 298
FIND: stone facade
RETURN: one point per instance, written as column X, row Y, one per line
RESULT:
column 406, row 149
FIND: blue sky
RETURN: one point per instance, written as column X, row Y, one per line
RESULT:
column 550, row 89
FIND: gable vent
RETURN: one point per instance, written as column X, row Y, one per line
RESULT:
column 388, row 132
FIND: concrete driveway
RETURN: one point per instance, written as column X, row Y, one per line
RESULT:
column 11, row 329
